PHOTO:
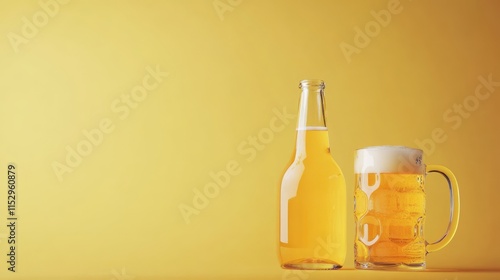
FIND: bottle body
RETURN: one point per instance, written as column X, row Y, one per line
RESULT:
column 312, row 202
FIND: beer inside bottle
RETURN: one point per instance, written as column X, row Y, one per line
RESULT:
column 312, row 196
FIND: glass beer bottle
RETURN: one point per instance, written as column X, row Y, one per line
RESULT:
column 312, row 228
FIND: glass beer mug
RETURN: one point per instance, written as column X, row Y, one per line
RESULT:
column 312, row 229
column 389, row 208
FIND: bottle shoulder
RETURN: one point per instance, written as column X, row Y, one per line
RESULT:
column 302, row 176
column 318, row 165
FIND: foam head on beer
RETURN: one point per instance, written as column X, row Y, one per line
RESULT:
column 389, row 159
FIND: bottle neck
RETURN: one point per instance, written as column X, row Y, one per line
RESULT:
column 312, row 132
column 312, row 106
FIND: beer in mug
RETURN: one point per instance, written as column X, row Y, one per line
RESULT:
column 389, row 208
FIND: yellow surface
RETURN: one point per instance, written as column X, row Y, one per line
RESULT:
column 90, row 77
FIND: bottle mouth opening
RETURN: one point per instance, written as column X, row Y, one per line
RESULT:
column 312, row 83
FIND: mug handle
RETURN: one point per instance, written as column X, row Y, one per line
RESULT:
column 454, row 208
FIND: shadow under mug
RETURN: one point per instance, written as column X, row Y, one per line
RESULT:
column 389, row 208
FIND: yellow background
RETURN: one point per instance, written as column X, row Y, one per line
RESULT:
column 116, row 215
